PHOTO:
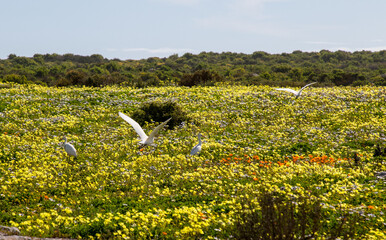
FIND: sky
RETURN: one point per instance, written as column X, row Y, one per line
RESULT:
column 139, row 29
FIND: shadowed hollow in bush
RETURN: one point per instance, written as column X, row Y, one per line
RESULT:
column 159, row 112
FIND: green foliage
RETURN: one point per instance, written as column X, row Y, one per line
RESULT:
column 259, row 68
column 278, row 218
column 281, row 217
column 15, row 78
column 159, row 112
column 242, row 185
column 201, row 77
column 297, row 148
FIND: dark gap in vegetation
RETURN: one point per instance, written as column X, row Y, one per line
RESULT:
column 157, row 111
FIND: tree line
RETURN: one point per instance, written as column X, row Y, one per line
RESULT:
column 339, row 68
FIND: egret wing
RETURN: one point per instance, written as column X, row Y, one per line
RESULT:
column 135, row 125
column 287, row 90
column 70, row 149
column 195, row 150
column 155, row 131
column 307, row 86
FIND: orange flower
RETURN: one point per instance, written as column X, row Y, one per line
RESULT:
column 141, row 150
column 370, row 207
column 255, row 179
column 164, row 233
column 46, row 197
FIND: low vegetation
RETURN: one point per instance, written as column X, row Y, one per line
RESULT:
column 268, row 168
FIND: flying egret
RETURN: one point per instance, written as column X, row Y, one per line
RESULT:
column 297, row 93
column 196, row 149
column 69, row 148
column 145, row 140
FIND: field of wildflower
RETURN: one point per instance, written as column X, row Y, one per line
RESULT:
column 258, row 146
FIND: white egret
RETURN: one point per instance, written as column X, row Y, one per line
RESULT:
column 69, row 148
column 197, row 149
column 145, row 140
column 297, row 93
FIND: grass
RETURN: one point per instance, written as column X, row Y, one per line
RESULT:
column 261, row 155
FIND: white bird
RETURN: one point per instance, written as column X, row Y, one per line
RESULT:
column 145, row 140
column 297, row 93
column 69, row 148
column 197, row 149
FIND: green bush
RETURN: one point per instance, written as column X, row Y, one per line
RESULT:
column 159, row 112
column 16, row 78
column 201, row 77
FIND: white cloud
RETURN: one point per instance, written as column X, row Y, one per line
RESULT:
column 373, row 49
column 377, row 40
column 180, row 2
column 242, row 25
column 248, row 6
column 347, row 49
column 154, row 50
column 246, row 16
column 322, row 43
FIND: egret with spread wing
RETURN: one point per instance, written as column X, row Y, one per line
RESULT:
column 297, row 93
column 145, row 140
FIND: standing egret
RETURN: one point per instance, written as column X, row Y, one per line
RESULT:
column 197, row 149
column 297, row 93
column 69, row 148
column 145, row 140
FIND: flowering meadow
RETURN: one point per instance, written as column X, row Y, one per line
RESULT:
column 256, row 140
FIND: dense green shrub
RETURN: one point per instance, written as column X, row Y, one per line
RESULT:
column 16, row 78
column 206, row 68
column 201, row 77
column 159, row 112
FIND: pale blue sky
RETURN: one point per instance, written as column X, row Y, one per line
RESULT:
column 135, row 29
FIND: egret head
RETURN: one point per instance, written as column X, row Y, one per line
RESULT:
column 200, row 135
